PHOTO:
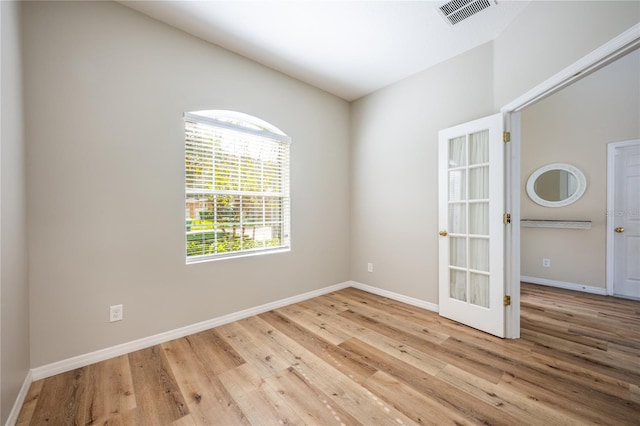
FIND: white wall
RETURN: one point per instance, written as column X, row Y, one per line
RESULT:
column 105, row 91
column 548, row 36
column 394, row 170
column 574, row 126
column 14, row 289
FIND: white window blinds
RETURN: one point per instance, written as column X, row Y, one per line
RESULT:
column 237, row 189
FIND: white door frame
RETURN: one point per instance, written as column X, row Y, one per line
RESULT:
column 512, row 232
column 602, row 56
column 611, row 148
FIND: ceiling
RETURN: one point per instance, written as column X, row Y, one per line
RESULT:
column 347, row 48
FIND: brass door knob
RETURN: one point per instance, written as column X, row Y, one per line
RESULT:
column 443, row 233
column 619, row 229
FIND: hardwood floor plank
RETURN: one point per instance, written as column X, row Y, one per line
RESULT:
column 138, row 417
column 157, row 392
column 30, row 402
column 425, row 361
column 556, row 369
column 430, row 386
column 625, row 349
column 278, row 343
column 353, row 367
column 240, row 380
column 61, row 399
column 516, row 405
column 266, row 403
column 439, row 352
column 210, row 345
column 563, row 332
column 626, row 319
column 339, row 388
column 621, row 366
column 584, row 406
column 206, row 397
column 421, row 409
column 421, row 329
column 351, row 357
column 325, row 304
column 109, row 390
column 257, row 399
column 399, row 309
column 188, row 420
column 581, row 309
column 314, row 323
column 262, row 359
column 311, row 404
column 634, row 393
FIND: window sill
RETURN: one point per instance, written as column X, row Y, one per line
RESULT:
column 216, row 257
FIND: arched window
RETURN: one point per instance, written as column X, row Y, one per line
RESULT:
column 236, row 186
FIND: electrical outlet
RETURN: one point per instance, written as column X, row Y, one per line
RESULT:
column 369, row 267
column 546, row 263
column 116, row 313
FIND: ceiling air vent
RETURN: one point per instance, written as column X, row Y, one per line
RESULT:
column 457, row 11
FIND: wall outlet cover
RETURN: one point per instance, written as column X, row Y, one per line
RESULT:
column 116, row 313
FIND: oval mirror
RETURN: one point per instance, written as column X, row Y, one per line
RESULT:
column 556, row 185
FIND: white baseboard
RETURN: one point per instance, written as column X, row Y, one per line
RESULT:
column 69, row 364
column 396, row 296
column 565, row 285
column 17, row 405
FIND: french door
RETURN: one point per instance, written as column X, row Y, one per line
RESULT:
column 471, row 208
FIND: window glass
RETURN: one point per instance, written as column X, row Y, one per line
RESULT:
column 236, row 186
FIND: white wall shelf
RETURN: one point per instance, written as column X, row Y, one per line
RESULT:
column 562, row 224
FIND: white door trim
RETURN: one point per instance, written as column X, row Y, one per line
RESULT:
column 614, row 49
column 611, row 180
column 602, row 56
column 512, row 232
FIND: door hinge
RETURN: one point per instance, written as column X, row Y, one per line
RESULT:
column 506, row 137
column 506, row 218
column 507, row 300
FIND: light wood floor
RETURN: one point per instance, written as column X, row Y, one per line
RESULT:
column 355, row 358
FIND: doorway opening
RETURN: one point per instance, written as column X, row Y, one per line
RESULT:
column 616, row 49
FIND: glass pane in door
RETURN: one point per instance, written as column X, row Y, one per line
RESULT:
column 479, row 254
column 479, row 290
column 458, row 152
column 458, row 285
column 458, row 252
column 479, row 147
column 457, row 218
column 479, row 183
column 457, row 185
column 479, row 218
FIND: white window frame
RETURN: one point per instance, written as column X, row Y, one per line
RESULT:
column 239, row 131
